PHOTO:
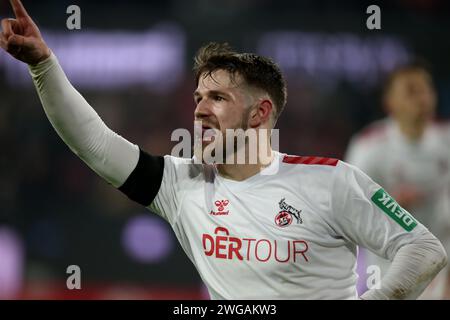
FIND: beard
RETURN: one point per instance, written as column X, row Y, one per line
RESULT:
column 221, row 146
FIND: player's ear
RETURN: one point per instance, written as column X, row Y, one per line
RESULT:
column 260, row 113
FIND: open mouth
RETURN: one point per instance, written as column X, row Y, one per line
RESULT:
column 208, row 133
column 207, row 127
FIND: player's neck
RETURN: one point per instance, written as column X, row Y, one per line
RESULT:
column 412, row 132
column 240, row 172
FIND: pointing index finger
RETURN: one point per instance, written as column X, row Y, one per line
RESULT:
column 19, row 9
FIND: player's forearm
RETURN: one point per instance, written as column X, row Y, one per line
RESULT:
column 107, row 153
column 413, row 268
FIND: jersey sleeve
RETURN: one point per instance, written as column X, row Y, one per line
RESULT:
column 159, row 183
column 144, row 182
column 180, row 174
column 365, row 214
column 107, row 153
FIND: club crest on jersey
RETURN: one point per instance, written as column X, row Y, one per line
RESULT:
column 287, row 214
column 221, row 206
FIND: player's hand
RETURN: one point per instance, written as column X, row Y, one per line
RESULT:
column 20, row 37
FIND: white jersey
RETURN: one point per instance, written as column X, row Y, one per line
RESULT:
column 386, row 155
column 289, row 235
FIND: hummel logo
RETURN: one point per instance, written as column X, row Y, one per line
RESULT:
column 220, row 204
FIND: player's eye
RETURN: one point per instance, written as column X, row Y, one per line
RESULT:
column 218, row 98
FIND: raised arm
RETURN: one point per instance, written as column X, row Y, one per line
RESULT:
column 107, row 153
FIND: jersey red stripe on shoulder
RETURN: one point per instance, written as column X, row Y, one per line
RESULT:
column 310, row 160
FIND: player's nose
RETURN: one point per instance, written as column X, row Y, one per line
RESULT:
column 203, row 110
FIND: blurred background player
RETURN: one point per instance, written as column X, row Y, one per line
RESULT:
column 409, row 154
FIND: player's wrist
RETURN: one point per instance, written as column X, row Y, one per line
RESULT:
column 46, row 55
column 40, row 53
column 44, row 64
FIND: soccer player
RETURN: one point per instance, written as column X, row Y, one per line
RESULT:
column 409, row 154
column 251, row 233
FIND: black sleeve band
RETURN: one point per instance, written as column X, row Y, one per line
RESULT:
column 144, row 182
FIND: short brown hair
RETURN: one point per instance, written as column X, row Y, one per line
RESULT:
column 257, row 71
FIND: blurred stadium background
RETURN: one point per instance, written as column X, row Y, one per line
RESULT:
column 132, row 61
